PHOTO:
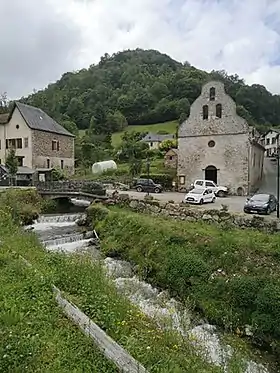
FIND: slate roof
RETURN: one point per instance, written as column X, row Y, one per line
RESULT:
column 4, row 118
column 22, row 170
column 37, row 119
column 153, row 137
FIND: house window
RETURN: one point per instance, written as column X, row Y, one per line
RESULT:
column 0, row 144
column 254, row 160
column 55, row 145
column 48, row 163
column 19, row 143
column 151, row 144
column 182, row 180
column 267, row 141
column 14, row 143
column 17, row 126
column 26, row 142
column 274, row 140
column 219, row 111
column 62, row 164
column 212, row 93
column 205, row 112
column 170, row 157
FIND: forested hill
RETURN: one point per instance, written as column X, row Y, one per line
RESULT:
column 142, row 87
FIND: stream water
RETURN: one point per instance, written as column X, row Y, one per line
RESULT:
column 60, row 233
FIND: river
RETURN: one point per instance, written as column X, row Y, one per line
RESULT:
column 60, row 233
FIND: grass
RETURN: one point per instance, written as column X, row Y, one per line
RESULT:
column 122, row 173
column 231, row 276
column 169, row 127
column 37, row 338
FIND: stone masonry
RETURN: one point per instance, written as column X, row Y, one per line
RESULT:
column 42, row 150
column 221, row 142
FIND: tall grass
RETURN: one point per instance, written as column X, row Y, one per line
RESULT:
column 232, row 276
column 38, row 327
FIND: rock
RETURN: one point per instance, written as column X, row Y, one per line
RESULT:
column 134, row 204
column 207, row 217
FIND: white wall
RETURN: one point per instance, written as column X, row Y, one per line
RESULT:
column 10, row 131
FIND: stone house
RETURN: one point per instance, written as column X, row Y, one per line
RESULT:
column 154, row 140
column 39, row 141
column 171, row 158
column 216, row 144
column 270, row 141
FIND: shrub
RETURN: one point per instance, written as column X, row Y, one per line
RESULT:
column 226, row 273
column 48, row 206
column 96, row 212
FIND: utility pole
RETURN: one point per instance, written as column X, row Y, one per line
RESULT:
column 148, row 173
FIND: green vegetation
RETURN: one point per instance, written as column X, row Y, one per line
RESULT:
column 35, row 335
column 231, row 276
column 143, row 86
column 167, row 127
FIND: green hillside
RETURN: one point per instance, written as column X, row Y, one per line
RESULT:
column 169, row 127
column 144, row 86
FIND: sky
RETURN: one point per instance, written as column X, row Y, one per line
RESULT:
column 42, row 39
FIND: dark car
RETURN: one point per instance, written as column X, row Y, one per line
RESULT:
column 148, row 185
column 261, row 204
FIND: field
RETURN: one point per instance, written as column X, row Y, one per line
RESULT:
column 169, row 127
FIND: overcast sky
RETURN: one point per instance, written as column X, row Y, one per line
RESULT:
column 42, row 39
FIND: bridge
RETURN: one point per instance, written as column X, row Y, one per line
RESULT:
column 72, row 189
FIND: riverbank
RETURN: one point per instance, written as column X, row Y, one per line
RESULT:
column 231, row 276
column 85, row 283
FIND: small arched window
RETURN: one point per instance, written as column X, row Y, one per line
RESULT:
column 219, row 111
column 212, row 93
column 205, row 112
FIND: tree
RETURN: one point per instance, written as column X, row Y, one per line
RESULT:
column 144, row 87
column 12, row 164
column 168, row 144
column 71, row 127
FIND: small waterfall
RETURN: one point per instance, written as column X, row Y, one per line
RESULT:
column 170, row 314
column 166, row 311
column 66, row 218
column 68, row 239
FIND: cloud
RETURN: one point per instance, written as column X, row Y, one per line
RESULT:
column 37, row 44
column 55, row 36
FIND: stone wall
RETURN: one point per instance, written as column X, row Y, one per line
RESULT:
column 192, row 214
column 42, row 151
column 222, row 143
column 86, row 186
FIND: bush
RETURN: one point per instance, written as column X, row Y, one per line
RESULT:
column 24, row 205
column 164, row 179
column 226, row 273
column 96, row 212
column 48, row 206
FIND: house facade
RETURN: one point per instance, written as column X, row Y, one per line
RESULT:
column 216, row 144
column 39, row 141
column 171, row 158
column 270, row 142
column 154, row 140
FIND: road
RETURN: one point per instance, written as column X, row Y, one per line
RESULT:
column 234, row 203
column 269, row 183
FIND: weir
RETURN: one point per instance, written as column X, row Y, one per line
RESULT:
column 166, row 311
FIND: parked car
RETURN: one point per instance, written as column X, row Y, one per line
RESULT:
column 220, row 191
column 260, row 204
column 148, row 185
column 200, row 196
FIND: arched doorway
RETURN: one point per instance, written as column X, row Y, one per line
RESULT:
column 211, row 173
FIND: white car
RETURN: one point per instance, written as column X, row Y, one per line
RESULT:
column 200, row 196
column 220, row 191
